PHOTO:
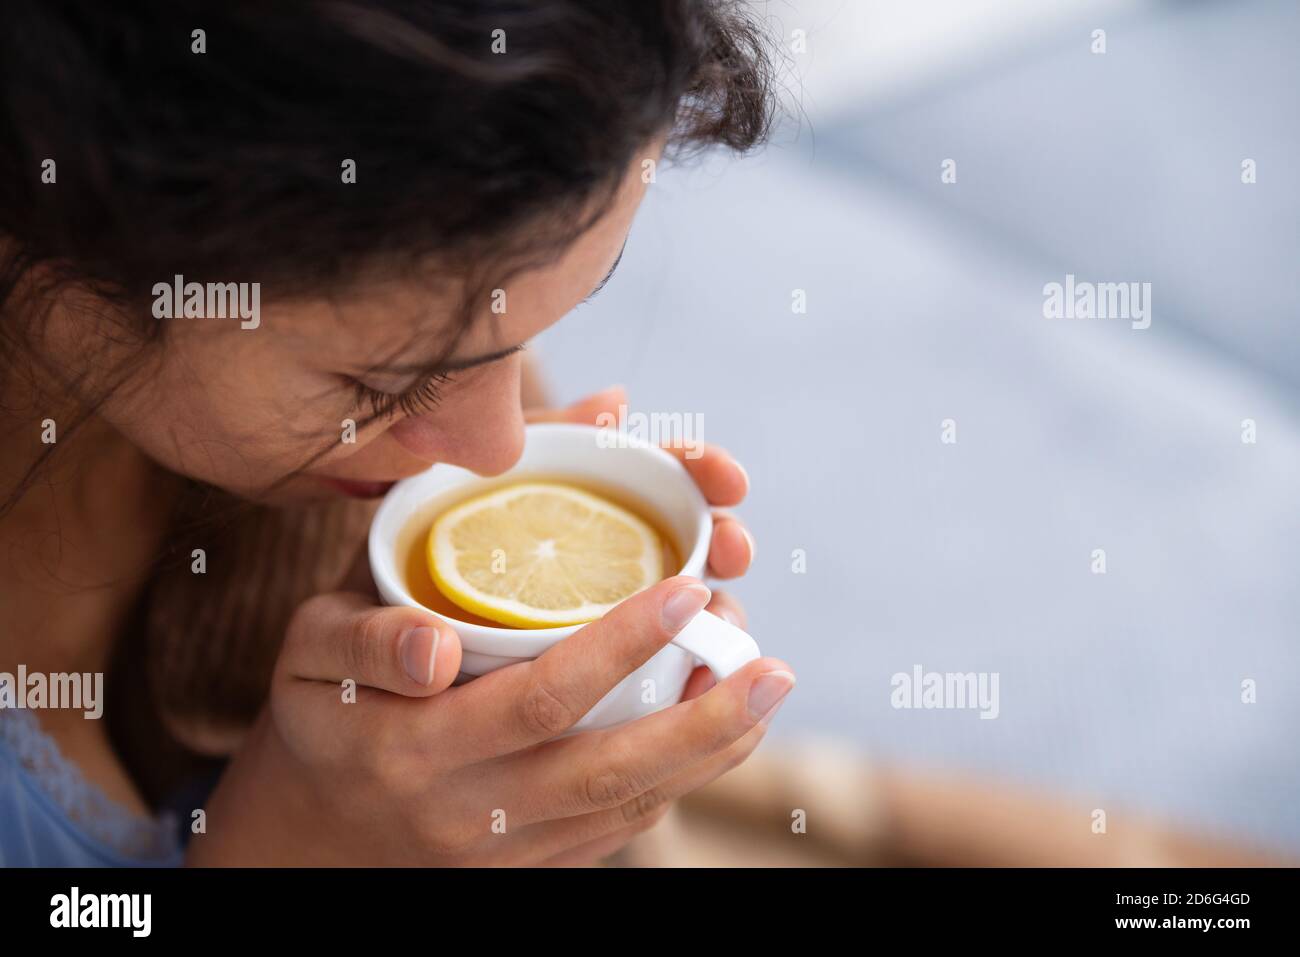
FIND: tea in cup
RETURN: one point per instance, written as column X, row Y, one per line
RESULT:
column 653, row 522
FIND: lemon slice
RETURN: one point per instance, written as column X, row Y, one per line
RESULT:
column 542, row 554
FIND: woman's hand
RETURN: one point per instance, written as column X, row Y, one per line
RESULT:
column 408, row 770
column 417, row 772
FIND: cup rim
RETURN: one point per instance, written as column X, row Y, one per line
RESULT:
column 527, row 642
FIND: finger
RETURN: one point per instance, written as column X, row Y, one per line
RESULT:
column 721, row 479
column 592, row 853
column 343, row 635
column 596, row 772
column 700, row 681
column 731, row 550
column 524, row 704
column 728, row 607
column 552, row 838
column 586, row 411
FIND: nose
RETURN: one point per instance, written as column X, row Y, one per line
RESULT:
column 480, row 429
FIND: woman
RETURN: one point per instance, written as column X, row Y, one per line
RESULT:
column 402, row 195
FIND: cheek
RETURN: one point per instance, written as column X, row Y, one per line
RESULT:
column 235, row 428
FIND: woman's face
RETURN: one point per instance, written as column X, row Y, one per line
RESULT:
column 242, row 408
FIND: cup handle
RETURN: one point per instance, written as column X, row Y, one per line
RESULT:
column 722, row 647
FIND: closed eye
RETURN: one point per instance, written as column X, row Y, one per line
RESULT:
column 427, row 392
column 421, row 397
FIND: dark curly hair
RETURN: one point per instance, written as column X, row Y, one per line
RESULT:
column 228, row 162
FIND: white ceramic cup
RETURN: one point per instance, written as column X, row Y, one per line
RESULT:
column 636, row 468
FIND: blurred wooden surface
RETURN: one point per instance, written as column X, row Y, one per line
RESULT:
column 857, row 814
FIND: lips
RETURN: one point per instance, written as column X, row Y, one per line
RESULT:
column 356, row 489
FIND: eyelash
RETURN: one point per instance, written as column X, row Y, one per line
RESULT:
column 419, row 398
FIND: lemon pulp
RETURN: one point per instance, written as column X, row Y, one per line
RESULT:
column 541, row 555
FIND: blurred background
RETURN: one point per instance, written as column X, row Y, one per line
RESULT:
column 925, row 303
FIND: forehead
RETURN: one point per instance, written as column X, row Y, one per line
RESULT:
column 424, row 318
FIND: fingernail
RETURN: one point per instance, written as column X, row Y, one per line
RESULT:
column 767, row 692
column 729, row 616
column 683, row 605
column 420, row 654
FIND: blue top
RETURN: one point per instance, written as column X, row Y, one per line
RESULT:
column 51, row 816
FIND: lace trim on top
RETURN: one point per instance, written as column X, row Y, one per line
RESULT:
column 93, row 812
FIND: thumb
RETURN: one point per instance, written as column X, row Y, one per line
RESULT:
column 406, row 651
